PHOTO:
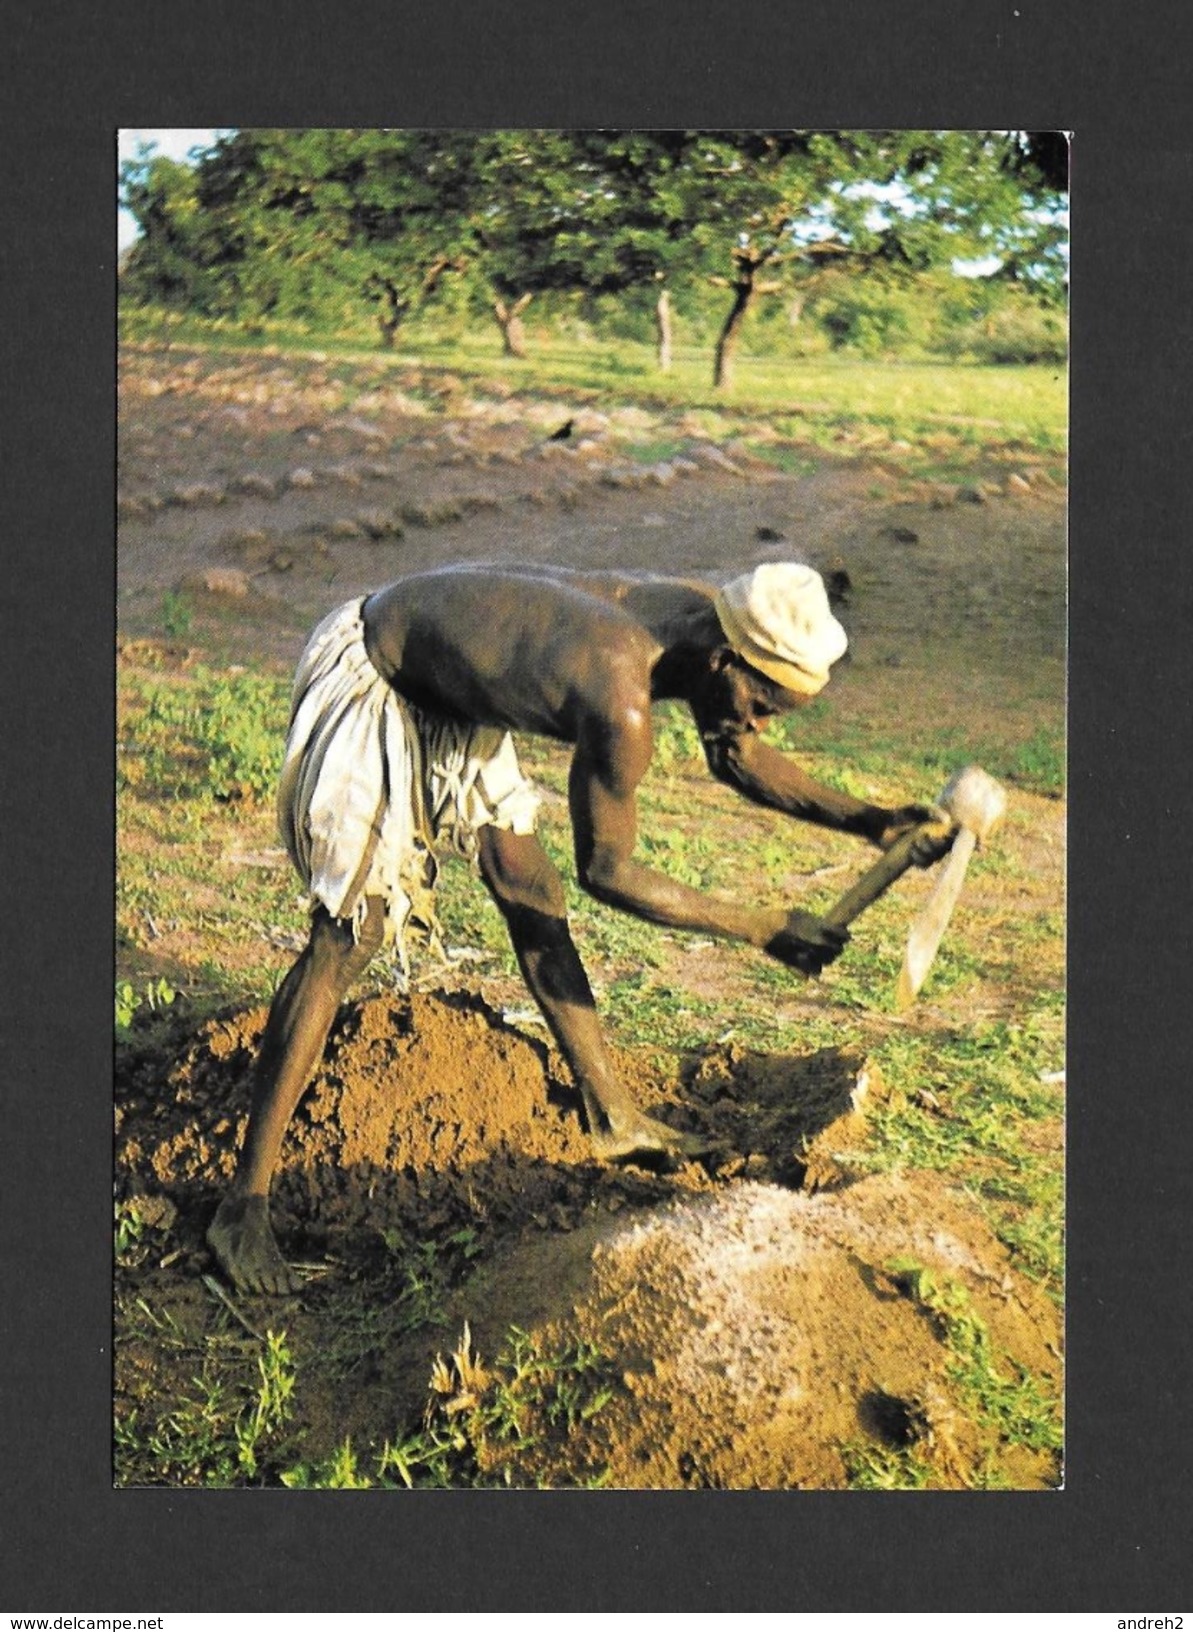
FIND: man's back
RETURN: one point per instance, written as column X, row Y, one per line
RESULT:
column 527, row 648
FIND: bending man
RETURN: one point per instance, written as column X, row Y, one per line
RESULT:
column 399, row 741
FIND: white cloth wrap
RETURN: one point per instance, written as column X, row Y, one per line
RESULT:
column 370, row 784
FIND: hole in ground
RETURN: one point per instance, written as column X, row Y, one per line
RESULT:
column 895, row 1421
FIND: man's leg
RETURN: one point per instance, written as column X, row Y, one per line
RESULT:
column 529, row 892
column 241, row 1236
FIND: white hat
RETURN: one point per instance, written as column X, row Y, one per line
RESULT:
column 778, row 619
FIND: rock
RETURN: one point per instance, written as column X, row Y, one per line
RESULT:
column 900, row 535
column 1018, row 484
column 768, row 535
column 342, row 527
column 196, row 493
column 971, row 495
column 839, row 586
column 708, row 454
column 431, row 514
column 377, row 524
column 255, row 485
column 228, row 581
column 301, row 477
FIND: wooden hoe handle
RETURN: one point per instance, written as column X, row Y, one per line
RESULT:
column 892, row 865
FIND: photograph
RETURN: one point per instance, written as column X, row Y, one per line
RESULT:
column 590, row 809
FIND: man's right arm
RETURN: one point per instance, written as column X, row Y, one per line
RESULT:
column 611, row 757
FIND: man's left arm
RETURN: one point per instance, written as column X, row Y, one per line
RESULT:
column 767, row 777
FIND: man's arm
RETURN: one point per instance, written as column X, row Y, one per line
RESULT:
column 766, row 777
column 612, row 754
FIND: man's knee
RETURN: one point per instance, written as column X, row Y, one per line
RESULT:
column 520, row 874
column 339, row 943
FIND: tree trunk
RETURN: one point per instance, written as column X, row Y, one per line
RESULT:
column 663, row 330
column 727, row 343
column 393, row 309
column 509, row 319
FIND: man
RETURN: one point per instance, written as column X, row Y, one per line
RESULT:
column 399, row 740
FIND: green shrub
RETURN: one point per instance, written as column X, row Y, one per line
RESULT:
column 223, row 734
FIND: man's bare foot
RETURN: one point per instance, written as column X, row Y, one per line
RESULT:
column 642, row 1136
column 242, row 1240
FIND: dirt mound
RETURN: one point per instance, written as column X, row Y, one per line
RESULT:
column 420, row 1104
column 767, row 1336
column 431, row 1106
column 751, row 1304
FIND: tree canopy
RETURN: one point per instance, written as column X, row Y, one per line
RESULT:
column 309, row 224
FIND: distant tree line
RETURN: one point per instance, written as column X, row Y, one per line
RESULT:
column 860, row 228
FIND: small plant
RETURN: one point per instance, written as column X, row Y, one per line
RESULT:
column 273, row 1405
column 339, row 1472
column 428, row 1270
column 128, row 1229
column 221, row 734
column 157, row 996
column 127, row 1004
column 239, row 729
column 884, row 1467
column 176, row 615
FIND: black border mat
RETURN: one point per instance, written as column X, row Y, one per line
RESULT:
column 1117, row 78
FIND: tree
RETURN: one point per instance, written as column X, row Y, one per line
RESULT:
column 315, row 220
column 573, row 210
column 169, row 260
column 793, row 210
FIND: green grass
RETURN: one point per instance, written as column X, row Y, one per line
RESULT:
column 1002, row 1394
column 225, row 1429
column 873, row 1466
column 219, row 734
column 484, row 1426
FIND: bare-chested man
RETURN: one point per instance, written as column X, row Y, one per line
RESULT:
column 399, row 741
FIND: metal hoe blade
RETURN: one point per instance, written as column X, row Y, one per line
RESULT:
column 933, row 920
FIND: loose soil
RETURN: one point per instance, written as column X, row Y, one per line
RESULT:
column 747, row 1301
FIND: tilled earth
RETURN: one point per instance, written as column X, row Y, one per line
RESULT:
column 746, row 1300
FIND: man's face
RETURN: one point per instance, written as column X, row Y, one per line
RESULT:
column 742, row 698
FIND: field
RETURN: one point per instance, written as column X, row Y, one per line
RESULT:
column 864, row 1288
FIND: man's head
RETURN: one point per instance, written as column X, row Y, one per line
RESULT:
column 777, row 619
